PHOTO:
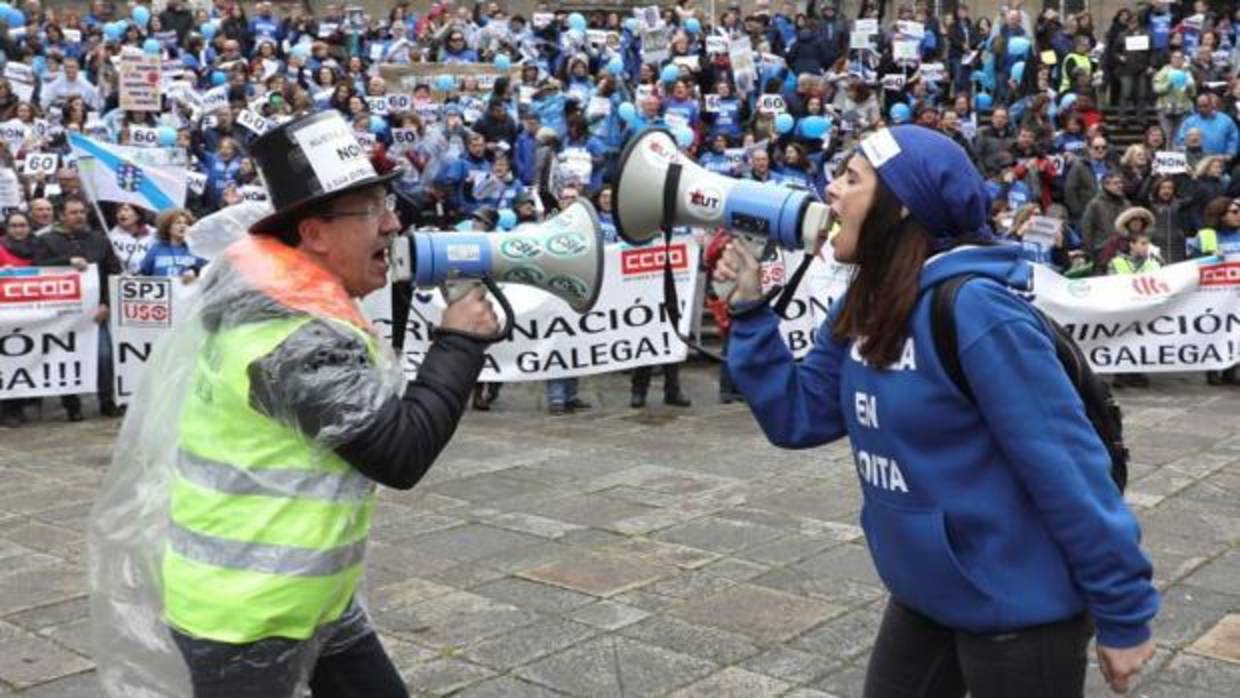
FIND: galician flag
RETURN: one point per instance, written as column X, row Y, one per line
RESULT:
column 125, row 174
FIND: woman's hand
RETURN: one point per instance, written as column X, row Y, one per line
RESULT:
column 740, row 267
column 1118, row 666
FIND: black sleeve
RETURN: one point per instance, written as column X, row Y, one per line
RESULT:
column 321, row 381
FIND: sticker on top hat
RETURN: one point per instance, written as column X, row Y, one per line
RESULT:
column 880, row 147
column 334, row 154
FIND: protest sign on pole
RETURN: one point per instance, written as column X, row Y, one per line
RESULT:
column 740, row 54
column 139, row 75
column 48, row 335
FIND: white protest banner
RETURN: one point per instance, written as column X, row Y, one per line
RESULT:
column 253, row 122
column 41, row 163
column 1183, row 317
column 716, row 44
column 48, row 336
column 144, row 136
column 1137, row 43
column 865, row 27
column 139, row 75
column 1042, row 231
column 771, row 104
column 911, row 30
column 740, row 54
column 627, row 327
column 399, row 103
column 904, row 50
column 143, row 309
column 1170, row 162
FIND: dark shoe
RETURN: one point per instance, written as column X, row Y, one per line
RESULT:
column 728, row 398
column 1229, row 377
column 73, row 414
column 481, row 404
column 637, row 401
column 558, row 409
column 677, row 400
column 1214, row 377
column 578, row 404
column 111, row 410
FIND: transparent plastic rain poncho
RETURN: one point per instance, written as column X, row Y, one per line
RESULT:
column 129, row 528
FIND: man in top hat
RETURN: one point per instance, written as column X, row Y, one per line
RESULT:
column 294, row 410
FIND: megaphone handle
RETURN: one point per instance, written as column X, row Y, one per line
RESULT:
column 452, row 291
column 757, row 246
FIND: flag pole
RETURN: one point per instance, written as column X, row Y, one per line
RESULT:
column 90, row 190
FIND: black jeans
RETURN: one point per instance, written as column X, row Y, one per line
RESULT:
column 354, row 667
column 914, row 657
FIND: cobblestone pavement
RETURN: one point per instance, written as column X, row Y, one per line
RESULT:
column 641, row 553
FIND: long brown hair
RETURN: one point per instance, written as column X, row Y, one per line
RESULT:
column 890, row 254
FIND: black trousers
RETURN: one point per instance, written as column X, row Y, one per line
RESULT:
column 353, row 667
column 914, row 657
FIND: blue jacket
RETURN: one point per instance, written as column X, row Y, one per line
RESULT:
column 1219, row 135
column 990, row 516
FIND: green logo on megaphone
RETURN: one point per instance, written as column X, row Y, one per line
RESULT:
column 525, row 275
column 567, row 244
column 520, row 248
column 569, row 286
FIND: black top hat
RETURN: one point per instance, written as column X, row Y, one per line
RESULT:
column 307, row 161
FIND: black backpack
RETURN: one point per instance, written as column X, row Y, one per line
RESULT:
column 1100, row 405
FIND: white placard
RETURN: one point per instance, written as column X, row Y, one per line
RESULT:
column 859, row 42
column 541, row 19
column 1170, row 162
column 139, row 77
column 911, row 30
column 405, row 137
column 865, row 26
column 50, row 338
column 41, row 163
column 72, row 36
column 598, row 106
column 716, row 44
column 196, row 182
column 1137, row 43
column 399, row 103
column 905, row 50
column 377, row 105
column 771, row 104
column 144, row 136
column 215, row 99
column 333, row 152
column 252, row 192
column 933, row 72
column 711, row 103
column 1042, row 230
column 255, row 123
column 893, row 82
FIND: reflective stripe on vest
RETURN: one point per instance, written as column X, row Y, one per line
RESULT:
column 273, row 482
column 262, row 557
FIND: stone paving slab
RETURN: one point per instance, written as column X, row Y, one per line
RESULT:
column 662, row 552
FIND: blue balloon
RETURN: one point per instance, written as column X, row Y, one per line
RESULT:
column 507, row 219
column 167, row 136
column 982, row 101
column 15, row 18
column 207, row 30
column 627, row 112
column 218, row 78
column 5, row 7
column 616, row 66
column 378, row 124
column 1018, row 71
column 1067, row 102
column 1179, row 79
column 671, row 73
column 684, row 136
column 784, row 123
column 1018, row 46
column 577, row 21
column 301, row 50
column 630, row 25
column 141, row 15
column 151, row 47
column 112, row 31
column 445, row 83
column 900, row 113
column 814, row 126
column 502, row 61
column 692, row 25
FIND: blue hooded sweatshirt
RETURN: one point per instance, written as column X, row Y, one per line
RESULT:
column 993, row 515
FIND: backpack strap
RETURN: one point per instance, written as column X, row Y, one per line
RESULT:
column 943, row 329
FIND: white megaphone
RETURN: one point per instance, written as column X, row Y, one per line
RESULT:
column 658, row 187
column 562, row 256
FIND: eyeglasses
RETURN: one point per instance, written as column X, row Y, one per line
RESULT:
column 1098, row 147
column 389, row 206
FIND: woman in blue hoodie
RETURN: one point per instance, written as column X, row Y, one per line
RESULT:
column 993, row 521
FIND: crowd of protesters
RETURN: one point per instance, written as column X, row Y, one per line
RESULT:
column 1022, row 92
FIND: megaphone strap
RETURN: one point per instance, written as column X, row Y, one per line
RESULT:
column 670, row 186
